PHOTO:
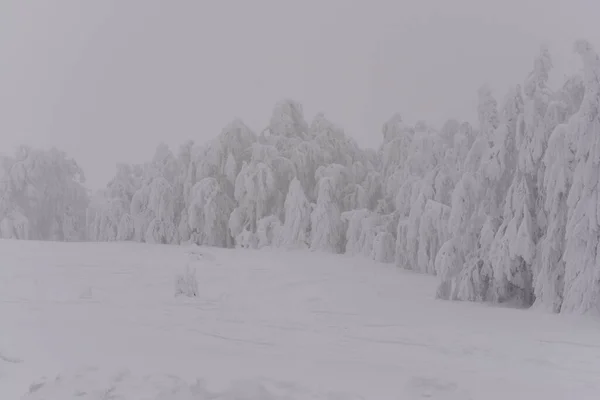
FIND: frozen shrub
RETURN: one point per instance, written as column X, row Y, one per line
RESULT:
column 186, row 283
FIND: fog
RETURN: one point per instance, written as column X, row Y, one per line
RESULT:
column 107, row 81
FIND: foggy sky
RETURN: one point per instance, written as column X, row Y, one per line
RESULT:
column 107, row 80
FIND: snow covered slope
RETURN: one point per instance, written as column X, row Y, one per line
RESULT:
column 101, row 321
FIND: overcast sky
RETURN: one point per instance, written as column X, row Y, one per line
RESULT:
column 107, row 80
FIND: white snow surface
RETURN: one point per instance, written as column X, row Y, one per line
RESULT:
column 102, row 321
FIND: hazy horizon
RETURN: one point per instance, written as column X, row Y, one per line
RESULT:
column 107, row 81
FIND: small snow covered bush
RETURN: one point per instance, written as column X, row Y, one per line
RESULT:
column 186, row 283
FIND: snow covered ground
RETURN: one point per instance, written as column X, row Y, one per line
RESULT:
column 100, row 321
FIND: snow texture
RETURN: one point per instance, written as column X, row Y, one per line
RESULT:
column 101, row 321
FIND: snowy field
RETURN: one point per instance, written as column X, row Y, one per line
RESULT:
column 101, row 321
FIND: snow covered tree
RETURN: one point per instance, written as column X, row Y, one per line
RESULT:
column 255, row 193
column 502, row 212
column 396, row 145
column 161, row 207
column 296, row 227
column 487, row 111
column 354, row 232
column 119, row 194
column 42, row 196
column 150, row 198
column 141, row 213
column 384, row 247
column 582, row 271
column 534, row 137
column 268, row 231
column 307, row 158
column 433, row 232
column 549, row 282
column 559, row 165
column 514, row 249
column 209, row 213
column 288, row 119
column 326, row 225
column 477, row 204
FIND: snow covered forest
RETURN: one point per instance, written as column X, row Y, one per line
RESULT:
column 506, row 211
